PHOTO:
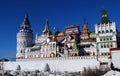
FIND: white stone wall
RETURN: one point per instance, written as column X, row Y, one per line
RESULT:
column 116, row 58
column 70, row 64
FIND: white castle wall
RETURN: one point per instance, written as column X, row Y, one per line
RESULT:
column 115, row 53
column 70, row 64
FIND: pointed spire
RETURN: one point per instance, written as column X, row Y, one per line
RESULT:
column 26, row 24
column 104, row 16
column 85, row 32
column 46, row 29
column 46, row 25
column 84, row 20
column 26, row 21
column 85, row 28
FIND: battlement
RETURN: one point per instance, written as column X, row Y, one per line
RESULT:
column 64, row 58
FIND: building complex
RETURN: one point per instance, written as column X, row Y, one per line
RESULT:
column 71, row 42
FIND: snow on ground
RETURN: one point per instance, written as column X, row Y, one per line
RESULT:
column 112, row 73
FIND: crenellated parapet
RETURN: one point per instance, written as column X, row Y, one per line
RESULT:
column 65, row 58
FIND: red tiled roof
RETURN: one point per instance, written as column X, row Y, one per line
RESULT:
column 114, row 49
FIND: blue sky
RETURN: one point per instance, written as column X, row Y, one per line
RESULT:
column 60, row 13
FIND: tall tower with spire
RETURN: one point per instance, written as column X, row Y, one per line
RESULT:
column 46, row 30
column 24, row 38
column 104, row 17
column 106, row 35
column 85, row 32
column 45, row 34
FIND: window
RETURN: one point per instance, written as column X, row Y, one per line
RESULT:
column 101, row 46
column 100, row 39
column 53, row 45
column 110, row 38
column 99, row 32
column 104, row 39
column 104, row 46
column 105, row 15
column 103, row 32
column 106, row 31
column 111, row 31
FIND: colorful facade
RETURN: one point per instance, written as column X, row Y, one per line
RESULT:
column 71, row 42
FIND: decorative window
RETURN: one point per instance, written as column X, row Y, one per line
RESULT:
column 99, row 32
column 103, row 32
column 104, row 46
column 104, row 39
column 106, row 31
column 105, row 15
column 21, row 51
column 100, row 39
column 110, row 38
column 111, row 31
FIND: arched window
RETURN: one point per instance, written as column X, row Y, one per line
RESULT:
column 106, row 31
column 111, row 31
column 110, row 38
column 104, row 46
column 104, row 39
column 103, row 32
column 21, row 51
column 99, row 32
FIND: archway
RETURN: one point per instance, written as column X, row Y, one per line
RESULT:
column 52, row 55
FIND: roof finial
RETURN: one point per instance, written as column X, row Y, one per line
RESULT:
column 84, row 20
column 102, row 6
column 26, row 20
column 47, row 19
column 26, row 14
column 46, row 29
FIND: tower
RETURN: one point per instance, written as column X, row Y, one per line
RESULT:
column 46, row 30
column 85, row 32
column 44, row 35
column 105, row 35
column 104, row 17
column 24, row 37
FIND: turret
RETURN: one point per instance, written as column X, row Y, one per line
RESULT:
column 46, row 30
column 24, row 38
column 104, row 17
column 44, row 35
column 85, row 32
